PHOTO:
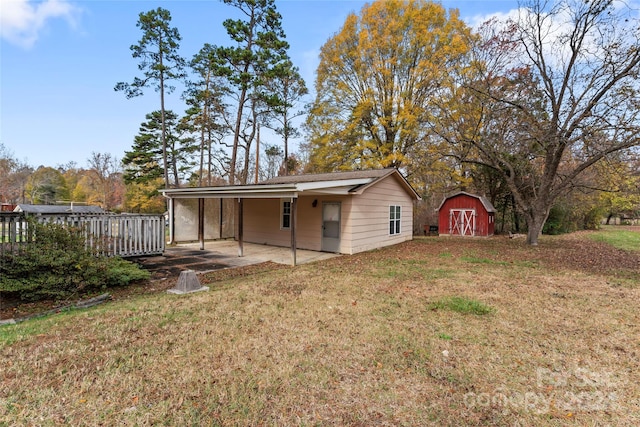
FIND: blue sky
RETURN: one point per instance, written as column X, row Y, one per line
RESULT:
column 60, row 59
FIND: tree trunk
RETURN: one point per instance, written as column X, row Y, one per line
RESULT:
column 285, row 132
column 202, row 145
column 516, row 218
column 164, row 126
column 535, row 217
column 534, row 230
column 236, row 137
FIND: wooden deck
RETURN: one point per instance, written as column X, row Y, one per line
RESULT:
column 106, row 234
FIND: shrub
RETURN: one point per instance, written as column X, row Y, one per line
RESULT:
column 57, row 264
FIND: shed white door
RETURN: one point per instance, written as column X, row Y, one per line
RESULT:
column 331, row 227
column 462, row 222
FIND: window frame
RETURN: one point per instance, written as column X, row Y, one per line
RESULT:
column 285, row 212
column 395, row 220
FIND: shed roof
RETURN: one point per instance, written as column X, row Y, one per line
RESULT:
column 485, row 202
column 58, row 209
column 352, row 182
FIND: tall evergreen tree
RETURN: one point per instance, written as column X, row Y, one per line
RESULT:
column 287, row 88
column 207, row 112
column 143, row 163
column 160, row 63
column 260, row 47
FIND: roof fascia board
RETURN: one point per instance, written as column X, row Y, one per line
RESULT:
column 307, row 186
column 230, row 188
column 230, row 192
column 236, row 195
column 401, row 179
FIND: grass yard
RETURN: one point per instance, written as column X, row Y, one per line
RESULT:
column 437, row 331
column 619, row 237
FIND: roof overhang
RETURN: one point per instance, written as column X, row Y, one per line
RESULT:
column 274, row 191
column 285, row 190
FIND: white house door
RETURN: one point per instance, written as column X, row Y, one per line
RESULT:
column 462, row 222
column 331, row 227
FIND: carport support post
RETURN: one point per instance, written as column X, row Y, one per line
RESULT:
column 294, row 214
column 201, row 223
column 171, row 221
column 240, row 216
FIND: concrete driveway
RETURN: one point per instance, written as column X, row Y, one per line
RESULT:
column 222, row 254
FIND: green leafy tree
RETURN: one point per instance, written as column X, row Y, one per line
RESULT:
column 376, row 81
column 143, row 197
column 554, row 92
column 160, row 63
column 618, row 178
column 46, row 186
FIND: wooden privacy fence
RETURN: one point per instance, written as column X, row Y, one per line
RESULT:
column 105, row 234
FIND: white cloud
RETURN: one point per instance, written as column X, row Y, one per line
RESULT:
column 476, row 21
column 21, row 21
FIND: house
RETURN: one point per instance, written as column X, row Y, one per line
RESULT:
column 465, row 214
column 342, row 212
column 58, row 209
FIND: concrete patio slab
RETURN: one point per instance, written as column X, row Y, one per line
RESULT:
column 223, row 254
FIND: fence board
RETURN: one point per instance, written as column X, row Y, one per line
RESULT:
column 106, row 234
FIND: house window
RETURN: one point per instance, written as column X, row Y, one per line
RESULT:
column 394, row 220
column 286, row 214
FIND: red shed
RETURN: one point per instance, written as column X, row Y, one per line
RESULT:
column 465, row 214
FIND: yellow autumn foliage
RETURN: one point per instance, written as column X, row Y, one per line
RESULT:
column 377, row 80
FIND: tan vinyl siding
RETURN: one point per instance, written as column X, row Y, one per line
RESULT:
column 309, row 230
column 262, row 223
column 364, row 219
column 369, row 216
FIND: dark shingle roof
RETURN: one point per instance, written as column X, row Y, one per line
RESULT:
column 58, row 209
column 333, row 176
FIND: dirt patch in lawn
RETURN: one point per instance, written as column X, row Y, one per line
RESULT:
column 163, row 277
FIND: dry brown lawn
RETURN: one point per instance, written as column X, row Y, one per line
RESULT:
column 355, row 341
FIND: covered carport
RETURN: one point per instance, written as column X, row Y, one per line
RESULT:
column 238, row 193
